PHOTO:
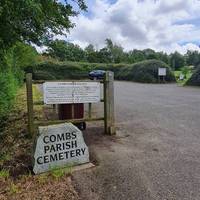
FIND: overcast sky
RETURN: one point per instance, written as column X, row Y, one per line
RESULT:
column 163, row 25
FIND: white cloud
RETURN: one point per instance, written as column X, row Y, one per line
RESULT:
column 140, row 24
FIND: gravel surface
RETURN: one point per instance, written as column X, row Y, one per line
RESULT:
column 156, row 152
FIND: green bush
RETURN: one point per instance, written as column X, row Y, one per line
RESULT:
column 68, row 70
column 51, row 70
column 195, row 78
column 145, row 72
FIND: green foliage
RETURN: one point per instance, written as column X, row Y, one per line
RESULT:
column 8, row 90
column 20, row 55
column 193, row 58
column 60, row 172
column 34, row 20
column 4, row 174
column 4, row 157
column 68, row 70
column 111, row 53
column 65, row 51
column 12, row 76
column 185, row 71
column 145, row 72
column 195, row 78
column 177, row 60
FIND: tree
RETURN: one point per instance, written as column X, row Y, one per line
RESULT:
column 163, row 57
column 65, row 51
column 149, row 54
column 177, row 60
column 21, row 55
column 135, row 56
column 116, row 52
column 91, row 54
column 104, row 56
column 193, row 58
column 89, row 48
column 34, row 20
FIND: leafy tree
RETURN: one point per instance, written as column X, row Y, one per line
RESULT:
column 149, row 54
column 163, row 57
column 21, row 55
column 135, row 56
column 116, row 51
column 63, row 50
column 89, row 48
column 177, row 60
column 91, row 54
column 104, row 56
column 34, row 20
column 193, row 58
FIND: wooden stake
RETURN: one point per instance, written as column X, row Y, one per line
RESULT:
column 90, row 110
column 109, row 119
column 29, row 92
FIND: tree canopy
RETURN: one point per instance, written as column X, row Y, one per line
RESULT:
column 34, row 21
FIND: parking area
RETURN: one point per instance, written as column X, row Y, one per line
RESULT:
column 156, row 152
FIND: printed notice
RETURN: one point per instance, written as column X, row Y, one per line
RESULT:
column 162, row 71
column 71, row 92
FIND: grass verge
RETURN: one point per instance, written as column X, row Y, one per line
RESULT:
column 16, row 178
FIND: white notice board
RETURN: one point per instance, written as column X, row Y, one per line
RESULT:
column 162, row 71
column 71, row 92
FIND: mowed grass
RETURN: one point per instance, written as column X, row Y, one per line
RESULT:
column 187, row 76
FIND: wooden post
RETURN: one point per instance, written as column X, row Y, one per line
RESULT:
column 90, row 110
column 29, row 92
column 73, row 115
column 109, row 119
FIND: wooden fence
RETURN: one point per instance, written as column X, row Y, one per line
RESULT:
column 108, row 100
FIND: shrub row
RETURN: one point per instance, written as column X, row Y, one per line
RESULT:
column 68, row 70
column 146, row 71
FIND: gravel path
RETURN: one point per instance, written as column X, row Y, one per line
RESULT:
column 156, row 153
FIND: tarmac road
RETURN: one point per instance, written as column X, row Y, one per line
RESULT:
column 156, row 153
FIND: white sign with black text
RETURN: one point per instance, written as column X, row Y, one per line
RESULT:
column 58, row 146
column 162, row 71
column 71, row 92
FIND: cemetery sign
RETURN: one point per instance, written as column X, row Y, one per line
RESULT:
column 59, row 146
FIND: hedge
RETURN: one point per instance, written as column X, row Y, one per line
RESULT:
column 146, row 71
column 68, row 70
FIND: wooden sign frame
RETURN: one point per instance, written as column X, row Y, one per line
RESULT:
column 108, row 100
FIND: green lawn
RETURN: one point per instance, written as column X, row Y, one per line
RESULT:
column 187, row 76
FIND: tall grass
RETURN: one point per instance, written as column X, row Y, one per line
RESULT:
column 9, row 83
